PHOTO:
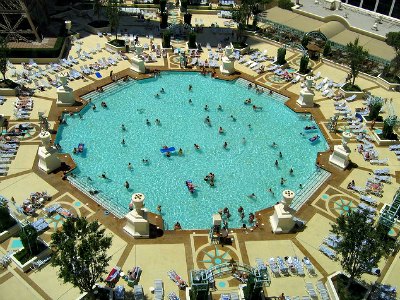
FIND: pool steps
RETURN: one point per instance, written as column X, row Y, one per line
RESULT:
column 105, row 202
column 109, row 89
column 245, row 83
column 311, row 185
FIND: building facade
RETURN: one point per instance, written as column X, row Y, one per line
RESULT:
column 389, row 8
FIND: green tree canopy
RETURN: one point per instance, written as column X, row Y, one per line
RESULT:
column 362, row 243
column 357, row 57
column 113, row 8
column 393, row 39
column 81, row 253
column 253, row 7
column 29, row 240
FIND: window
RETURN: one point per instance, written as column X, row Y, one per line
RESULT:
column 396, row 10
column 369, row 4
column 384, row 7
column 355, row 2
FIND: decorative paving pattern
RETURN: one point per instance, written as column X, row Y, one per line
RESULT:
column 335, row 202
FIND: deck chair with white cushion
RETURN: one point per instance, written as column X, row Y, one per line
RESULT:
column 351, row 98
column 158, row 289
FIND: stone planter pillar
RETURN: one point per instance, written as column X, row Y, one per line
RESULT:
column 65, row 95
column 282, row 219
column 227, row 66
column 138, row 65
column 306, row 98
column 48, row 159
column 340, row 155
column 137, row 224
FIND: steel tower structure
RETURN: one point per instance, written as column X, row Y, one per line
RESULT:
column 16, row 23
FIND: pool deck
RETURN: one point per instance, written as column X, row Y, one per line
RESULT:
column 186, row 250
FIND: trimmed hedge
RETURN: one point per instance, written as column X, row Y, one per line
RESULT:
column 38, row 52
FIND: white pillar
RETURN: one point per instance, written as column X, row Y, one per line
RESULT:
column 65, row 95
column 48, row 159
column 138, row 65
column 376, row 5
column 340, row 154
column 227, row 66
column 282, row 219
column 306, row 97
column 137, row 224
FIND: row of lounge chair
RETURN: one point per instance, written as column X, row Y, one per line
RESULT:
column 8, row 150
column 290, row 266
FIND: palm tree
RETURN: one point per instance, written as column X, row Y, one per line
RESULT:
column 357, row 58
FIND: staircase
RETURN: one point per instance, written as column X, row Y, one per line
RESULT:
column 313, row 183
column 245, row 83
column 109, row 89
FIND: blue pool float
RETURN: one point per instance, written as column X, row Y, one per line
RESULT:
column 170, row 149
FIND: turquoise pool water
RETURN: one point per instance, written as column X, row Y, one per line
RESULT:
column 240, row 170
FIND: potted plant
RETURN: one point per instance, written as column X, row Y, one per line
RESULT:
column 34, row 249
column 375, row 106
column 327, row 49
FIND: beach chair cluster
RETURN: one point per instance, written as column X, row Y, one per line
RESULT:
column 133, row 276
column 113, row 277
column 8, row 150
column 40, row 263
column 332, row 241
column 310, row 290
column 65, row 213
column 40, row 225
column 173, row 296
column 322, row 290
column 158, row 289
column 396, row 150
column 309, row 266
column 23, row 107
column 177, row 279
column 6, row 259
column 225, row 14
column 328, row 252
column 231, row 296
column 286, row 266
column 138, row 292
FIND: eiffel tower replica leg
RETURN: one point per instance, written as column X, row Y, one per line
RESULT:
column 13, row 14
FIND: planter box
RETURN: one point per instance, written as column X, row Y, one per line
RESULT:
column 25, row 267
column 191, row 49
column 95, row 30
column 386, row 84
column 332, row 291
column 115, row 48
column 5, row 235
column 384, row 142
column 346, row 94
column 242, row 51
column 169, row 50
column 8, row 92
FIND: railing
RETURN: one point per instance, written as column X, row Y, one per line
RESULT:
column 105, row 202
column 108, row 89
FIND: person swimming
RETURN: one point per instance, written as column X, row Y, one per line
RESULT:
column 157, row 95
column 190, row 87
column 180, row 152
column 206, row 107
column 103, row 104
column 123, row 127
column 158, row 122
column 220, row 130
column 162, row 91
column 130, row 166
column 148, row 122
column 196, row 146
column 225, row 145
column 190, row 101
column 233, row 118
column 126, row 184
column 123, row 142
column 145, row 161
column 219, row 108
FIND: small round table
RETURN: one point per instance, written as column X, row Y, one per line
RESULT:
column 151, row 289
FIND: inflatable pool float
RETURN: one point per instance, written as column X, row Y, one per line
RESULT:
column 314, row 138
column 168, row 149
column 310, row 128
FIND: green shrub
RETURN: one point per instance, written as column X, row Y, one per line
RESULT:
column 184, row 5
column 192, row 40
column 117, row 43
column 163, row 5
column 304, row 64
column 166, row 42
column 281, row 56
column 388, row 126
column 351, row 87
column 285, row 4
column 29, row 239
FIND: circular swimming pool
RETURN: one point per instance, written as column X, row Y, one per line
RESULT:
column 248, row 164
